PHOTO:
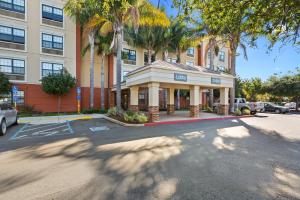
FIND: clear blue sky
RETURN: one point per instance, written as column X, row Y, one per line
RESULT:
column 260, row 63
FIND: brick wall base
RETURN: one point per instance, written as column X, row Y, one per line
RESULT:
column 153, row 112
column 200, row 107
column 170, row 109
column 194, row 110
column 223, row 109
column 134, row 108
column 40, row 101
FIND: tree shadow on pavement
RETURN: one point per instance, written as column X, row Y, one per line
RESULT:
column 227, row 159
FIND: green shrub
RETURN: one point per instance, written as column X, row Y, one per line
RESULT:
column 128, row 117
column 93, row 110
column 141, row 118
column 237, row 112
column 246, row 111
column 209, row 109
column 25, row 110
column 112, row 111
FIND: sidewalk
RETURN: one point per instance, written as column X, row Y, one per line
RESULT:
column 58, row 119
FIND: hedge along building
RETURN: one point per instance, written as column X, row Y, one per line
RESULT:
column 36, row 38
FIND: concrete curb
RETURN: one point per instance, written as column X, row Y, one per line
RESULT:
column 122, row 123
column 193, row 120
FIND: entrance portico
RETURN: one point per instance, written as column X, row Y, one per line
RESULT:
column 171, row 76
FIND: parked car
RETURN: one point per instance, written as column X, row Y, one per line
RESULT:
column 8, row 117
column 290, row 105
column 242, row 104
column 271, row 107
column 259, row 106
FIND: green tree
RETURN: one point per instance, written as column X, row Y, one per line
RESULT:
column 147, row 37
column 5, row 86
column 58, row 84
column 133, row 13
column 287, row 85
column 251, row 88
column 83, row 11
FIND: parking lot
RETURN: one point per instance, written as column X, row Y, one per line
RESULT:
column 74, row 128
column 232, row 159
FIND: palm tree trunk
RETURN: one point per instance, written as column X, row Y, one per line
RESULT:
column 233, row 73
column 178, row 98
column 102, row 82
column 92, row 44
column 119, row 65
column 211, row 63
column 149, row 56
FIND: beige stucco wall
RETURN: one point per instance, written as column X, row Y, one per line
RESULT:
column 33, row 28
column 217, row 62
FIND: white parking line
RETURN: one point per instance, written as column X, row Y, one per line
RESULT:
column 42, row 126
column 36, row 133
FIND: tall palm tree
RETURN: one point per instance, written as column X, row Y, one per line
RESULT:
column 181, row 39
column 148, row 38
column 103, row 48
column 134, row 13
column 82, row 11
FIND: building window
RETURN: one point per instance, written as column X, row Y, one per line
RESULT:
column 221, row 69
column 190, row 51
column 51, row 68
column 146, row 58
column 129, row 56
column 9, row 34
column 222, row 56
column 13, row 5
column 52, row 41
column 52, row 13
column 172, row 60
column 189, row 63
column 13, row 68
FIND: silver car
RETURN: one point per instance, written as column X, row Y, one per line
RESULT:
column 8, row 117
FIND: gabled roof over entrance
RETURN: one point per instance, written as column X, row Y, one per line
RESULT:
column 174, row 73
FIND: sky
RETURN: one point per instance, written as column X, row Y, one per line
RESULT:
column 261, row 62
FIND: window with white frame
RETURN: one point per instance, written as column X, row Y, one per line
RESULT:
column 221, row 68
column 189, row 63
column 13, row 5
column 52, row 41
column 10, row 34
column 52, row 13
column 222, row 56
column 13, row 68
column 190, row 51
column 129, row 56
column 51, row 68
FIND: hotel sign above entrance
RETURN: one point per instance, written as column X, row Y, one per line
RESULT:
column 180, row 77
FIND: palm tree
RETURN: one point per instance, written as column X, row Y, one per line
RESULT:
column 148, row 37
column 133, row 13
column 103, row 48
column 181, row 39
column 82, row 11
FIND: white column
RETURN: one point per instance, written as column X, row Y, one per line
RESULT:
column 153, row 94
column 134, row 96
column 170, row 96
column 194, row 95
column 224, row 96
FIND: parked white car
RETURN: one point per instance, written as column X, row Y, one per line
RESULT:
column 290, row 105
column 260, row 106
column 8, row 117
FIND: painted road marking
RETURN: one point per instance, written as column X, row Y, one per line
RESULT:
column 19, row 131
column 99, row 128
column 33, row 130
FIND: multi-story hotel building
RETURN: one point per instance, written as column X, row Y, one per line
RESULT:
column 37, row 38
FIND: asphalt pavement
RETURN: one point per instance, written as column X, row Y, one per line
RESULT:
column 249, row 158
